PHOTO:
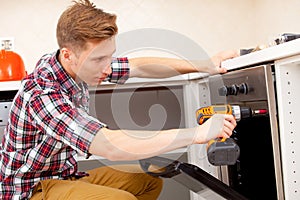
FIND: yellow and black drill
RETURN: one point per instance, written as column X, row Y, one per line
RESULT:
column 222, row 151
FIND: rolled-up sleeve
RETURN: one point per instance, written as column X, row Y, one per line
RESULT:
column 120, row 70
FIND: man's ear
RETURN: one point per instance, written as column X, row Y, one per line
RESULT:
column 66, row 54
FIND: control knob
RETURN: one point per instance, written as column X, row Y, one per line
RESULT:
column 233, row 89
column 243, row 88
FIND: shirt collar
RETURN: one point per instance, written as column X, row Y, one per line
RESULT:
column 64, row 78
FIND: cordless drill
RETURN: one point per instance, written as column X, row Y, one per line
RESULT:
column 223, row 151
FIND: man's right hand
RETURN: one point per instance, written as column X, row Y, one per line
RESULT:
column 219, row 125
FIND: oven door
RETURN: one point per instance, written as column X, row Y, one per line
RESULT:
column 194, row 178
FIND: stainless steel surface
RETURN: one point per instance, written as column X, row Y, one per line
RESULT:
column 224, row 174
column 4, row 110
column 1, row 132
column 252, row 87
column 254, row 78
column 274, row 131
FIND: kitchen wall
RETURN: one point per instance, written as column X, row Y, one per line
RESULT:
column 212, row 25
column 276, row 16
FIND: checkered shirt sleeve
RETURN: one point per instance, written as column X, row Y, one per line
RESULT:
column 120, row 70
column 56, row 115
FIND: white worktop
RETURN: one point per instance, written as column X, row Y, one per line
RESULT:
column 9, row 85
column 269, row 54
column 14, row 85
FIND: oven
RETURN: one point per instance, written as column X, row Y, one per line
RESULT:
column 257, row 174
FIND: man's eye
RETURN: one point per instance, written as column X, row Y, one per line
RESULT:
column 98, row 59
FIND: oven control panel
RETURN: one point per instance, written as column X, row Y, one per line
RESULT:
column 239, row 86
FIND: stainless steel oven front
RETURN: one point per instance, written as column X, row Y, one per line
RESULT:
column 257, row 173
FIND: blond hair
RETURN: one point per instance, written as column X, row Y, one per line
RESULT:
column 83, row 22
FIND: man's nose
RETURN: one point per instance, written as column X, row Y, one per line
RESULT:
column 107, row 70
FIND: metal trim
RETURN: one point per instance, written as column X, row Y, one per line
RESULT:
column 274, row 130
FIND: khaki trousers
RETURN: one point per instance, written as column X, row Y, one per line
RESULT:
column 124, row 182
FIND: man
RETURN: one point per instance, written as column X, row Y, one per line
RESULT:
column 49, row 125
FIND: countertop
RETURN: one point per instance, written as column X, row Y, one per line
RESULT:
column 9, row 85
column 269, row 54
column 132, row 82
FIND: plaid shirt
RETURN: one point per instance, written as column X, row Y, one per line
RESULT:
column 48, row 126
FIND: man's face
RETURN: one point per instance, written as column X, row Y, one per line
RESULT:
column 93, row 64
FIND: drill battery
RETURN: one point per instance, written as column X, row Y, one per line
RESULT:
column 222, row 151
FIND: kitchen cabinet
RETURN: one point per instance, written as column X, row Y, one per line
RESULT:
column 142, row 105
column 287, row 71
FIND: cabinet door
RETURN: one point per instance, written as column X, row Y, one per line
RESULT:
column 156, row 108
column 287, row 73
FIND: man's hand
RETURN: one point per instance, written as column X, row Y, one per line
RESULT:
column 219, row 125
column 219, row 58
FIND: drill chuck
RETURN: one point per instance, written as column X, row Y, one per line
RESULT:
column 241, row 112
